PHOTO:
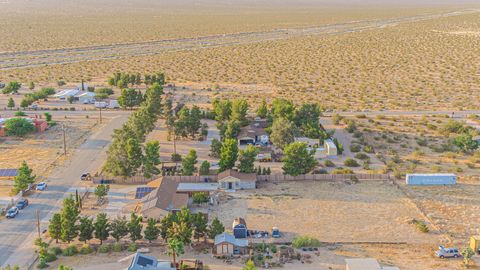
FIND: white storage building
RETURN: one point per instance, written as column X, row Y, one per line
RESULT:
column 431, row 179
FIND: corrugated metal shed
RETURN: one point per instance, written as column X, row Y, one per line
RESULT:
column 431, row 179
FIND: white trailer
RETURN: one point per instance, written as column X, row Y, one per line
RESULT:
column 113, row 104
column 431, row 179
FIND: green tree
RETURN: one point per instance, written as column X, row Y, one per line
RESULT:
column 247, row 159
column 130, row 98
column 262, row 110
column 307, row 119
column 24, row 103
column 102, row 227
column 101, row 191
column 175, row 248
column 11, row 103
column 283, row 132
column 297, row 159
column 151, row 232
column 465, row 142
column 230, row 130
column 23, row 179
column 467, row 254
column 188, row 163
column 151, row 159
column 12, row 87
column 239, row 111
column 135, row 156
column 55, row 227
column 228, row 154
column 215, row 148
column 199, row 222
column 70, row 99
column 69, row 215
column 181, row 230
column 222, row 109
column 282, row 108
column 18, row 127
column 166, row 223
column 85, row 229
column 135, row 227
column 48, row 116
column 119, row 228
column 42, row 252
column 215, row 228
column 249, row 265
column 205, row 168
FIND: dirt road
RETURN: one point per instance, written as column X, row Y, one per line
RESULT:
column 25, row 59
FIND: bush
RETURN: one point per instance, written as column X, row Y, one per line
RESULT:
column 350, row 162
column 305, row 241
column 421, row 226
column 355, row 148
column 176, row 157
column 104, row 249
column 342, row 171
column 362, row 156
column 368, row 149
column 70, row 251
column 42, row 264
column 20, row 113
column 56, row 250
column 329, row 163
column 50, row 257
column 117, row 247
column 86, row 249
column 132, row 247
column 199, row 198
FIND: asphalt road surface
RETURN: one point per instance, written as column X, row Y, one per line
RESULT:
column 17, row 235
column 26, row 59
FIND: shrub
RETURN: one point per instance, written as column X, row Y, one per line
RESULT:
column 362, row 156
column 117, row 247
column 355, row 148
column 86, row 249
column 50, row 257
column 132, row 247
column 342, row 171
column 305, row 241
column 421, row 226
column 199, row 198
column 104, row 249
column 368, row 149
column 176, row 157
column 329, row 163
column 56, row 250
column 70, row 251
column 350, row 162
column 20, row 113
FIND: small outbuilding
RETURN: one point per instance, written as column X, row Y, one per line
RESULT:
column 330, row 147
column 431, row 179
column 227, row 244
column 86, row 97
column 475, row 243
column 232, row 180
column 239, row 228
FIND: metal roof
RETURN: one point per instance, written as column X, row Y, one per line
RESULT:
column 8, row 172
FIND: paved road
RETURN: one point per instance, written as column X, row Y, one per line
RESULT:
column 17, row 235
column 25, row 59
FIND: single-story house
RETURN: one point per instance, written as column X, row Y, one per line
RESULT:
column 328, row 149
column 164, row 200
column 227, row 244
column 239, row 228
column 64, row 94
column 85, row 97
column 232, row 180
column 431, row 179
column 145, row 262
column 366, row 264
column 254, row 134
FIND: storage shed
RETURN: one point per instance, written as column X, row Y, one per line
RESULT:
column 233, row 180
column 431, row 179
column 475, row 243
column 227, row 244
column 239, row 228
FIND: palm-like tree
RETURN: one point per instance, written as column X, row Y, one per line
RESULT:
column 175, row 248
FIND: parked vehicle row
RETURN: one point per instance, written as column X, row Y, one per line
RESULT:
column 13, row 212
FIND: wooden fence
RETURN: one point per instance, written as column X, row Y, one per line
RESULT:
column 322, row 177
column 105, row 179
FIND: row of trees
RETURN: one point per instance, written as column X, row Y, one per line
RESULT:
column 32, row 97
column 126, row 156
column 230, row 116
column 122, row 80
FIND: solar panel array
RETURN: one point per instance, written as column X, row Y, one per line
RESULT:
column 8, row 172
column 142, row 192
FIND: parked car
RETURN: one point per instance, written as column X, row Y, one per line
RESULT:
column 275, row 232
column 22, row 204
column 85, row 176
column 2, row 85
column 12, row 212
column 447, row 253
column 41, row 186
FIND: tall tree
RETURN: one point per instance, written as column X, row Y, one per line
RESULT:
column 215, row 228
column 102, row 227
column 134, row 153
column 69, row 216
column 119, row 228
column 55, row 227
column 130, row 98
column 262, row 110
column 239, row 111
column 86, row 229
column 215, row 148
column 18, row 127
column 222, row 109
column 151, row 159
column 307, row 119
column 11, row 103
column 188, row 163
column 228, row 154
column 166, row 224
column 23, row 179
column 135, row 227
column 199, row 222
column 297, row 159
column 247, row 159
column 181, row 231
column 283, row 132
column 175, row 248
column 151, row 232
column 205, row 168
column 282, row 108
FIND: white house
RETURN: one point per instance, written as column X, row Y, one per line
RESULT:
column 232, row 180
column 85, row 97
column 64, row 94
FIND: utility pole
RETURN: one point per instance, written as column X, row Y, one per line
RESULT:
column 64, row 141
column 100, row 114
column 38, row 223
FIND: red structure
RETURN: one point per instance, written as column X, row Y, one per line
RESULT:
column 40, row 126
